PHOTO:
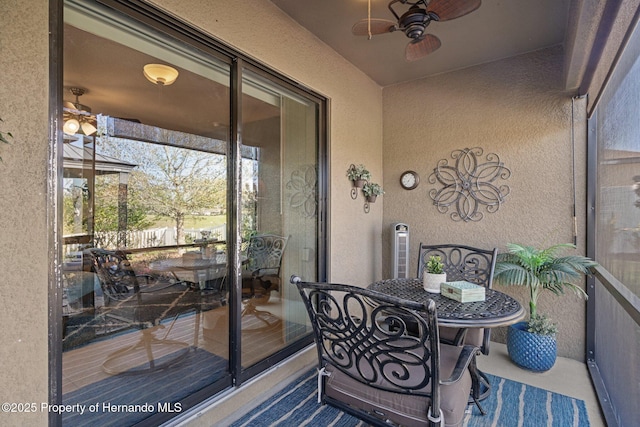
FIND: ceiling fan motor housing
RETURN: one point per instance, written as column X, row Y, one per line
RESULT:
column 414, row 21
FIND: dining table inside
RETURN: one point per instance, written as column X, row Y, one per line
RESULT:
column 193, row 267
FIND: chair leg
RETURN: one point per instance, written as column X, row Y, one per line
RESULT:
column 484, row 383
column 476, row 376
column 146, row 343
column 196, row 332
column 269, row 319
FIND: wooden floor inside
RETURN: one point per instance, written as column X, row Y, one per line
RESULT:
column 93, row 362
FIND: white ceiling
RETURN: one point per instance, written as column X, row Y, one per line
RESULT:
column 498, row 29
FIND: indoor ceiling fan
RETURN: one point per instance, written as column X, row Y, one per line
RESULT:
column 78, row 117
column 414, row 22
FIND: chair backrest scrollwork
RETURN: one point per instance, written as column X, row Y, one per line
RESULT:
column 264, row 254
column 461, row 262
column 365, row 334
column 467, row 263
column 117, row 277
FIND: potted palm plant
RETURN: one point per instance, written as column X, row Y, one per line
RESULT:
column 359, row 175
column 532, row 344
column 433, row 274
column 371, row 191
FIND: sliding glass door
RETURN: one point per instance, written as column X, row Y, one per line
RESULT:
column 156, row 316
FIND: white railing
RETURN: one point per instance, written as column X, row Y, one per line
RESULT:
column 164, row 236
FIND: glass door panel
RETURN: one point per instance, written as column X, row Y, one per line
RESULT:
column 279, row 213
column 145, row 219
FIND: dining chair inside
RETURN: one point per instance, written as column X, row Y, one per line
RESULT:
column 261, row 276
column 149, row 303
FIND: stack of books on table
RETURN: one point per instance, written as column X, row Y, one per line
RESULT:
column 462, row 291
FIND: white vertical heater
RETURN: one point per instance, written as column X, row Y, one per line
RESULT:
column 400, row 250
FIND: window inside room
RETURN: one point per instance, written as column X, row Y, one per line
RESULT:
column 150, row 226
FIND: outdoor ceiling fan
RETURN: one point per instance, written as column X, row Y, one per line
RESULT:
column 414, row 21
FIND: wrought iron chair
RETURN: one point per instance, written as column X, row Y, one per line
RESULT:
column 473, row 265
column 143, row 301
column 372, row 366
column 262, row 274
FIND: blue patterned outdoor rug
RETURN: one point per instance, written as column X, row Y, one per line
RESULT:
column 510, row 404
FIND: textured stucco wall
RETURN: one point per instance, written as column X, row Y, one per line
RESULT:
column 24, row 257
column 517, row 109
column 355, row 115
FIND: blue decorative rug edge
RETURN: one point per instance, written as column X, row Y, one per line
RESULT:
column 510, row 403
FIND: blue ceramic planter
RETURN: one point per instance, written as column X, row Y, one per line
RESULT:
column 531, row 351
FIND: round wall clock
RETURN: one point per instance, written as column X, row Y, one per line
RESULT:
column 409, row 180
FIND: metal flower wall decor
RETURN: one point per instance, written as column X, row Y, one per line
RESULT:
column 468, row 186
column 303, row 188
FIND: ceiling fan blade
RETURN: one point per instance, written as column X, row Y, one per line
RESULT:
column 378, row 26
column 452, row 9
column 421, row 47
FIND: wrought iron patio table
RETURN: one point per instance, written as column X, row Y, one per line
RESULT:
column 498, row 308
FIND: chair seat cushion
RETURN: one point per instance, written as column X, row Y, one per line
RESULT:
column 156, row 302
column 404, row 409
column 473, row 337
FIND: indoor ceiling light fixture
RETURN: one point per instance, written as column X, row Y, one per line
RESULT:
column 77, row 116
column 160, row 74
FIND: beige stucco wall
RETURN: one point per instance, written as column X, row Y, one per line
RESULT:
column 356, row 136
column 517, row 109
column 24, row 257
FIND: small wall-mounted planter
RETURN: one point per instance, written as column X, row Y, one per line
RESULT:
column 359, row 183
column 359, row 177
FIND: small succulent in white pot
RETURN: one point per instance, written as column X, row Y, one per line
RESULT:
column 434, row 274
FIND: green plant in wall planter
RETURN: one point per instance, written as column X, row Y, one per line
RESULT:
column 532, row 344
column 371, row 191
column 4, row 136
column 359, row 175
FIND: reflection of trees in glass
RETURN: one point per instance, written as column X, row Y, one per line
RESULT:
column 106, row 206
column 249, row 216
column 248, row 213
column 170, row 181
column 75, row 197
column 636, row 188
